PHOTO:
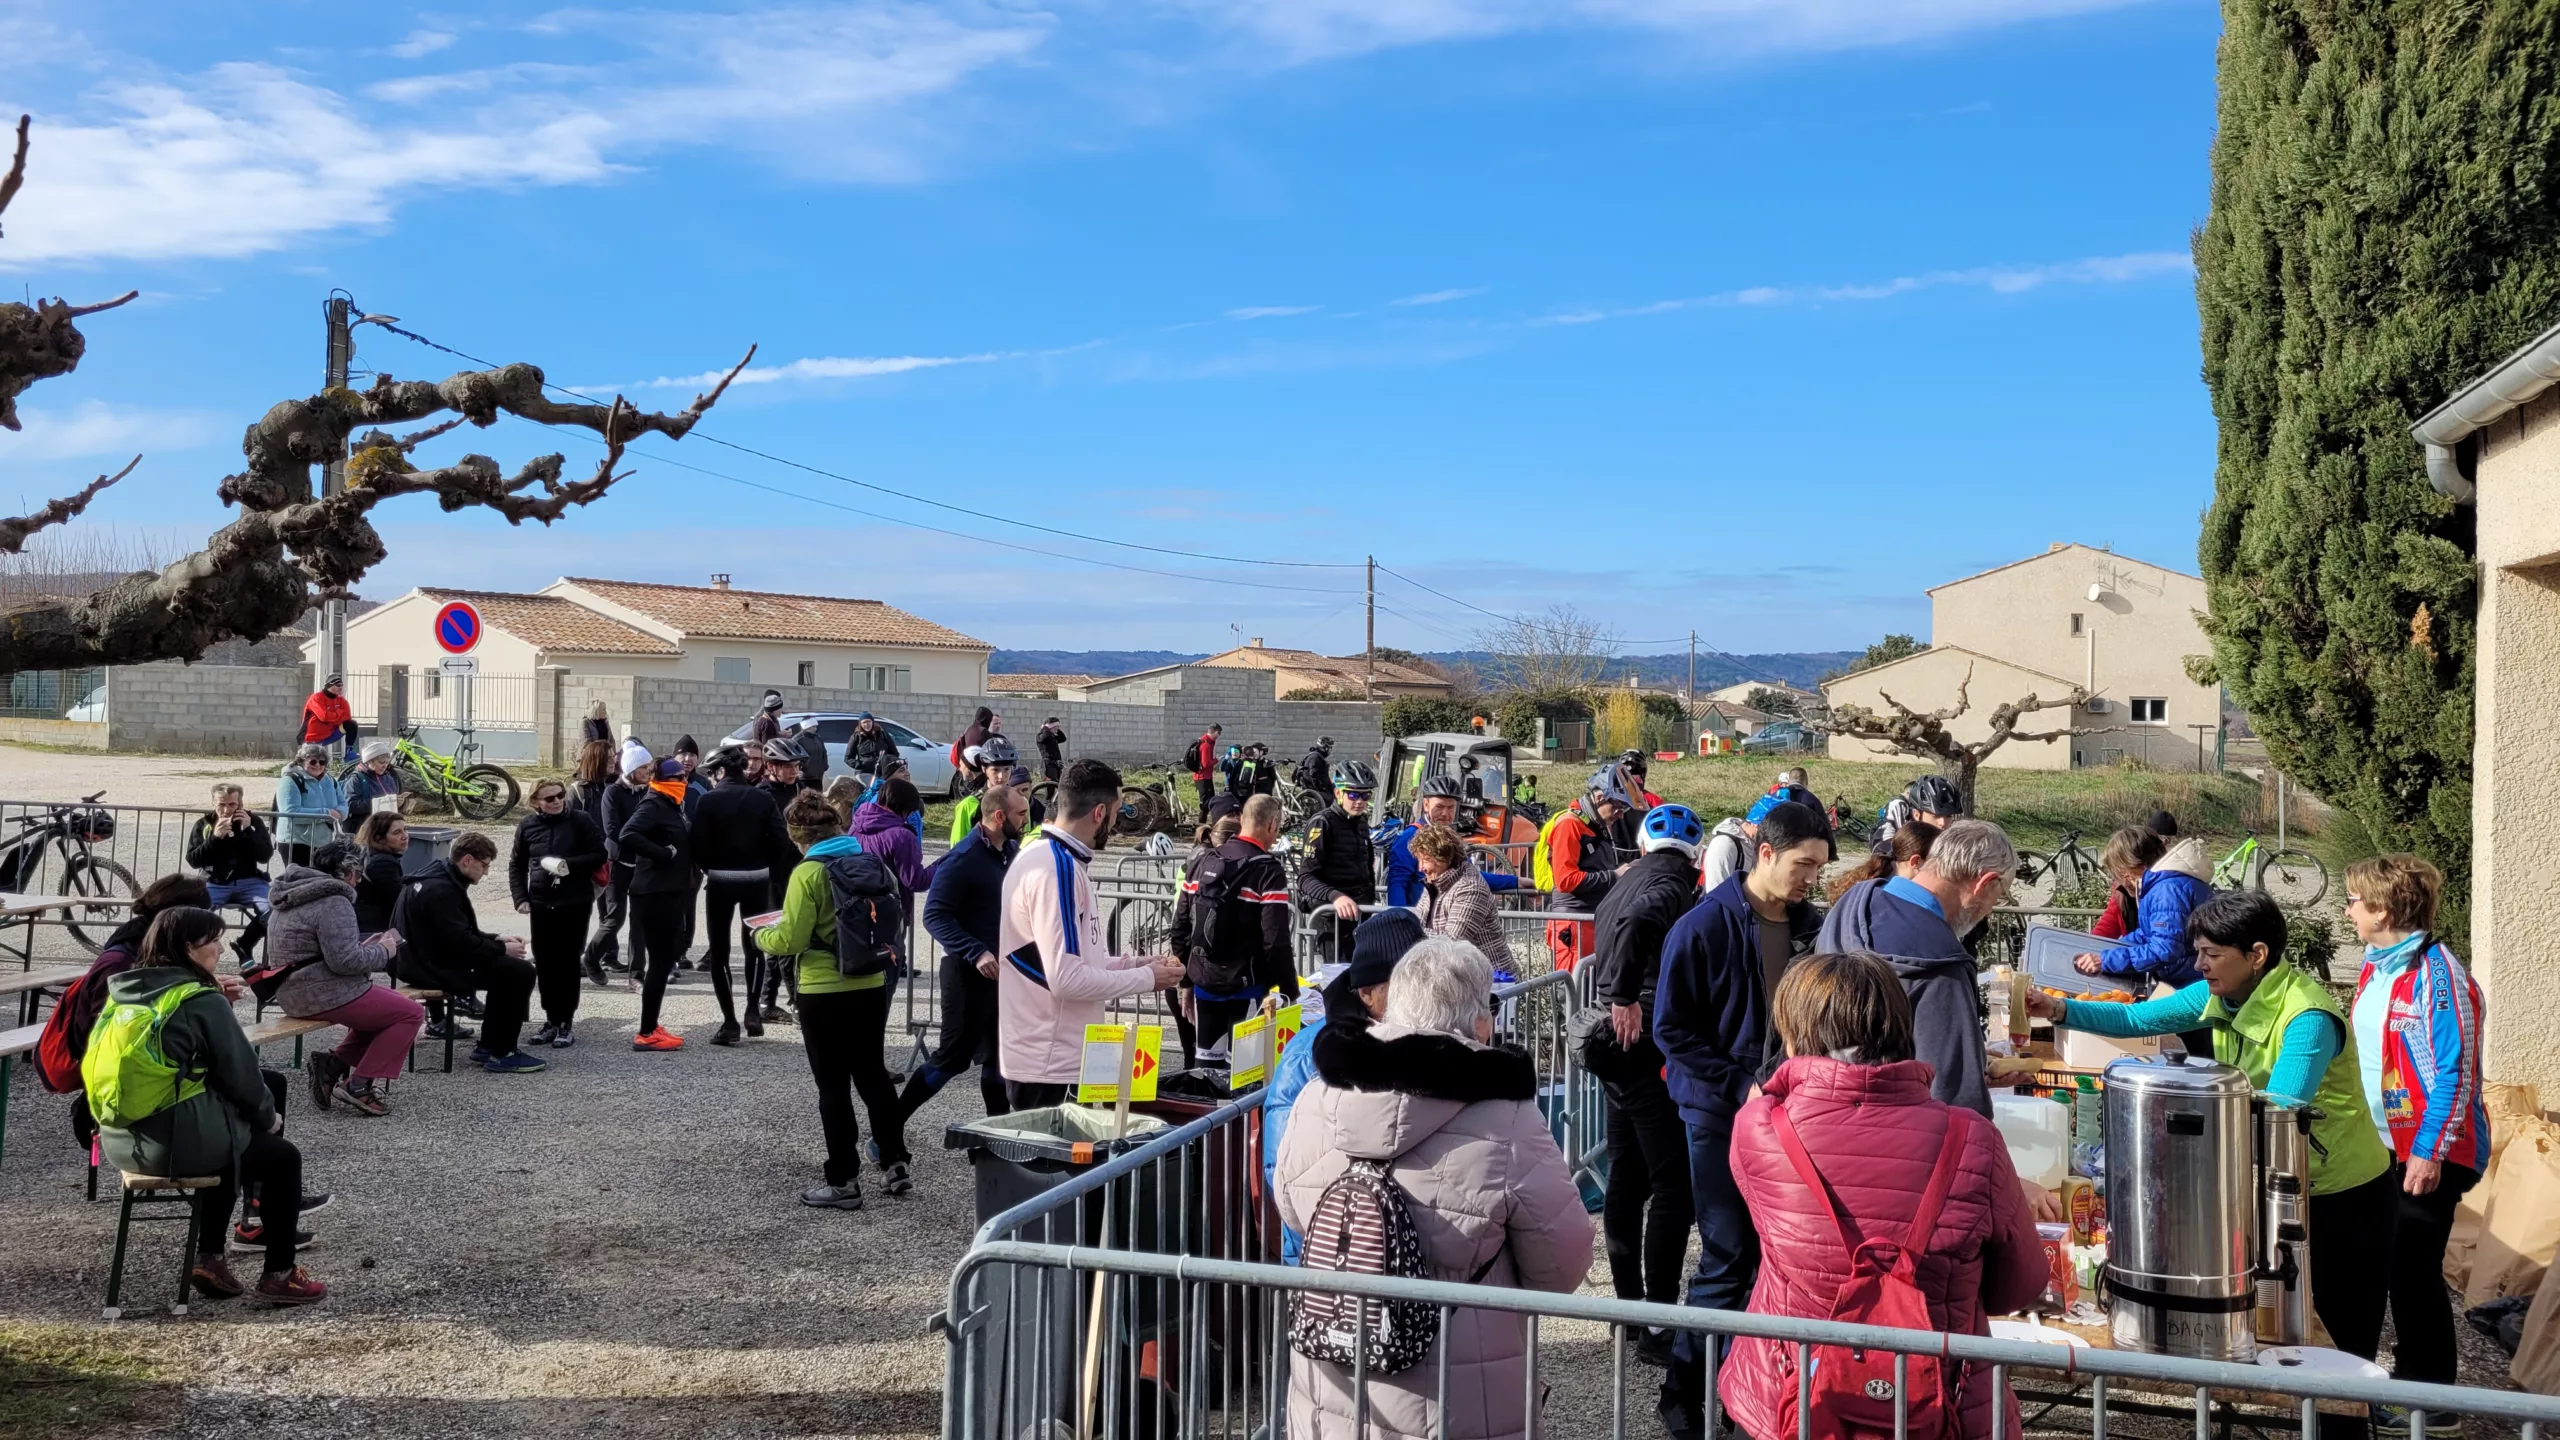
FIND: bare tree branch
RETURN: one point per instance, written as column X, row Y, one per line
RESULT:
column 17, row 175
column 76, row 311
column 14, row 532
column 1925, row 734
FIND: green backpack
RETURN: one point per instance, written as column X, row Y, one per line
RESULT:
column 127, row 1074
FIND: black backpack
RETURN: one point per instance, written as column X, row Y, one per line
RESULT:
column 868, row 918
column 1212, row 885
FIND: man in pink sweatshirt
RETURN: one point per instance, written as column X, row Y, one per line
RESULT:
column 1057, row 974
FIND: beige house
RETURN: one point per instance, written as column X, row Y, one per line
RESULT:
column 2076, row 620
column 1342, row 674
column 705, row 632
column 1741, row 692
column 2496, row 447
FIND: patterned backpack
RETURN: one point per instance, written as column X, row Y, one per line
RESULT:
column 1363, row 1225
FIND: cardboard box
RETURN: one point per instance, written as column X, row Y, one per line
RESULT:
column 2083, row 1051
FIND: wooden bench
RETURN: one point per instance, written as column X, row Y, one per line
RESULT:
column 267, row 1032
column 13, row 1043
column 171, row 1198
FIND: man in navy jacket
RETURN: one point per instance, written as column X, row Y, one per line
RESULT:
column 1720, row 965
column 961, row 912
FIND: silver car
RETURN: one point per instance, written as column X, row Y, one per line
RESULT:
column 928, row 761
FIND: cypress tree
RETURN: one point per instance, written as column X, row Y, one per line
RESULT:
column 2385, row 225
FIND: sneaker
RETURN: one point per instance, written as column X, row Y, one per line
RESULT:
column 728, row 1033
column 310, row 1203
column 252, row 1235
column 443, row 1029
column 213, row 1278
column 657, row 1039
column 480, row 1055
column 514, row 1062
column 468, row 1005
column 776, row 1015
column 595, row 972
column 2394, row 1420
column 543, row 1035
column 324, row 1070
column 563, row 1038
column 833, row 1197
column 897, row 1181
column 1653, row 1348
column 755, row 1026
column 365, row 1101
column 291, row 1287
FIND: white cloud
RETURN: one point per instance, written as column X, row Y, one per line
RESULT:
column 1269, row 312
column 822, row 367
column 95, row 429
column 1998, row 279
column 422, row 43
column 1441, row 297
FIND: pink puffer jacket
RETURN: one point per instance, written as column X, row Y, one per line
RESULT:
column 1874, row 1133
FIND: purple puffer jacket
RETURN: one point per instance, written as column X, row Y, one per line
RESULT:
column 884, row 833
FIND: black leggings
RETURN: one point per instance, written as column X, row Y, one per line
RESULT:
column 271, row 1168
column 968, row 1036
column 2352, row 1236
column 2421, row 1317
column 720, row 899
column 659, row 920
column 1645, row 1212
column 559, row 934
column 844, row 1032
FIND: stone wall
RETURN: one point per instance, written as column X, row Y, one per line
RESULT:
column 246, row 710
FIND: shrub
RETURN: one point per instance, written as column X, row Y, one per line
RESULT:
column 1423, row 714
column 1518, row 712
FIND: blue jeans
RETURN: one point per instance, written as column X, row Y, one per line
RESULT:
column 1728, row 1254
column 251, row 892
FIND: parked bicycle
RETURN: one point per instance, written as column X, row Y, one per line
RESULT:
column 1848, row 825
column 2041, row 873
column 50, row 855
column 2291, row 877
column 463, row 783
column 1160, row 805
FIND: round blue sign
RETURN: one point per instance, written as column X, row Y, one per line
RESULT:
column 457, row 628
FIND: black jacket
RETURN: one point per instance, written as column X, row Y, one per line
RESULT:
column 736, row 828
column 1252, row 939
column 1341, row 860
column 964, row 908
column 229, row 859
column 655, row 842
column 813, row 758
column 1315, row 772
column 1051, row 742
column 442, row 946
column 782, row 792
column 867, row 753
column 571, row 836
column 1635, row 917
column 616, row 807
column 595, row 729
column 378, row 891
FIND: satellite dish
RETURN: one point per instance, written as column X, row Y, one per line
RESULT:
column 2097, row 590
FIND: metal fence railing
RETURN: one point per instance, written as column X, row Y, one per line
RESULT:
column 55, row 695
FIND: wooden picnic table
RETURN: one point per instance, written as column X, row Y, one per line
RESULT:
column 20, row 908
column 29, row 984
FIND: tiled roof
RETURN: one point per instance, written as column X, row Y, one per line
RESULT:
column 767, row 615
column 1025, row 683
column 548, row 622
column 1345, row 667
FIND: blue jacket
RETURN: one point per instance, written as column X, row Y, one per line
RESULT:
column 2171, row 890
column 1901, row 922
column 1297, row 1066
column 965, row 903
column 1710, row 1013
column 1404, row 877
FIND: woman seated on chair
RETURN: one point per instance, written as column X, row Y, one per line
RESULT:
column 329, row 965
column 177, row 1093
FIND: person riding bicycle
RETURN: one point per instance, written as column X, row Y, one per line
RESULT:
column 1340, row 871
column 1315, row 769
column 871, row 747
column 1931, row 797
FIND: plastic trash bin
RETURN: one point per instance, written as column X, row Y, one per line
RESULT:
column 429, row 846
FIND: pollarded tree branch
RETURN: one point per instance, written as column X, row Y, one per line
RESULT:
column 17, row 175
column 15, row 531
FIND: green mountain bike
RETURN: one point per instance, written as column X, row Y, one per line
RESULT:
column 2291, row 877
column 462, row 783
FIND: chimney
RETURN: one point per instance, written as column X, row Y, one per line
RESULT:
column 720, row 581
column 2057, row 545
column 1254, row 644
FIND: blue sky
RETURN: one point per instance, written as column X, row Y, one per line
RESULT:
column 1757, row 316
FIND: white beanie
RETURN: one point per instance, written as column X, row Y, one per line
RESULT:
column 634, row 756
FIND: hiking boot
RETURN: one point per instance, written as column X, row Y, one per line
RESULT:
column 728, row 1033
column 213, row 1278
column 443, row 1028
column 564, row 1037
column 252, row 1235
column 324, row 1070
column 362, row 1098
column 657, row 1039
column 833, row 1197
column 291, row 1287
column 896, row 1180
column 514, row 1062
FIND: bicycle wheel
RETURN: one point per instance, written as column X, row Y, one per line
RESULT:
column 484, row 792
column 90, row 925
column 1045, row 795
column 2294, row 878
column 2033, row 884
column 1138, row 811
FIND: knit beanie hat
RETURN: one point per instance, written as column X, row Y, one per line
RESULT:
column 634, row 756
column 1379, row 943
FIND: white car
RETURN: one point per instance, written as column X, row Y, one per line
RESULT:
column 928, row 761
column 92, row 706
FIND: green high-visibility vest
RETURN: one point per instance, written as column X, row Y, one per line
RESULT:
column 2346, row 1151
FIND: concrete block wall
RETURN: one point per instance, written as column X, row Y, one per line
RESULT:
column 1242, row 701
column 246, row 710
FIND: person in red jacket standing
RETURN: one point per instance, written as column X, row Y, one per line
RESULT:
column 327, row 717
column 1857, row 1108
column 1202, row 761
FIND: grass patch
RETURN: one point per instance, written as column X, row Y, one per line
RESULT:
column 62, row 1380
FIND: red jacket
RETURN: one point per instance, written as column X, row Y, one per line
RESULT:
column 1874, row 1133
column 323, row 715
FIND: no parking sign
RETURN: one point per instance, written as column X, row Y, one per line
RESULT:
column 457, row 627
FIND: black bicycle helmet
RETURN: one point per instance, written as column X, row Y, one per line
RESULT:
column 1440, row 787
column 779, row 750
column 997, row 750
column 1935, row 794
column 1354, row 775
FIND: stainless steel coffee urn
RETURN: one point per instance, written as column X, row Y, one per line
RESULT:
column 2182, row 1208
column 2284, row 1233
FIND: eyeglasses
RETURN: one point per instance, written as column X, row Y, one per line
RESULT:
column 1361, row 795
column 554, row 798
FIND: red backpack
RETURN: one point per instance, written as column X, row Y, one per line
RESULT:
column 1852, row 1390
column 57, row 1052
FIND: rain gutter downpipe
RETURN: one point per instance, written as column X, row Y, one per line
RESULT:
column 2450, row 431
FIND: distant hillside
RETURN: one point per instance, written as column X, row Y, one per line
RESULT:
column 1082, row 662
column 1671, row 671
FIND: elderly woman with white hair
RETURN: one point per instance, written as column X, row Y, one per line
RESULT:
column 1453, row 1120
column 372, row 785
column 309, row 804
